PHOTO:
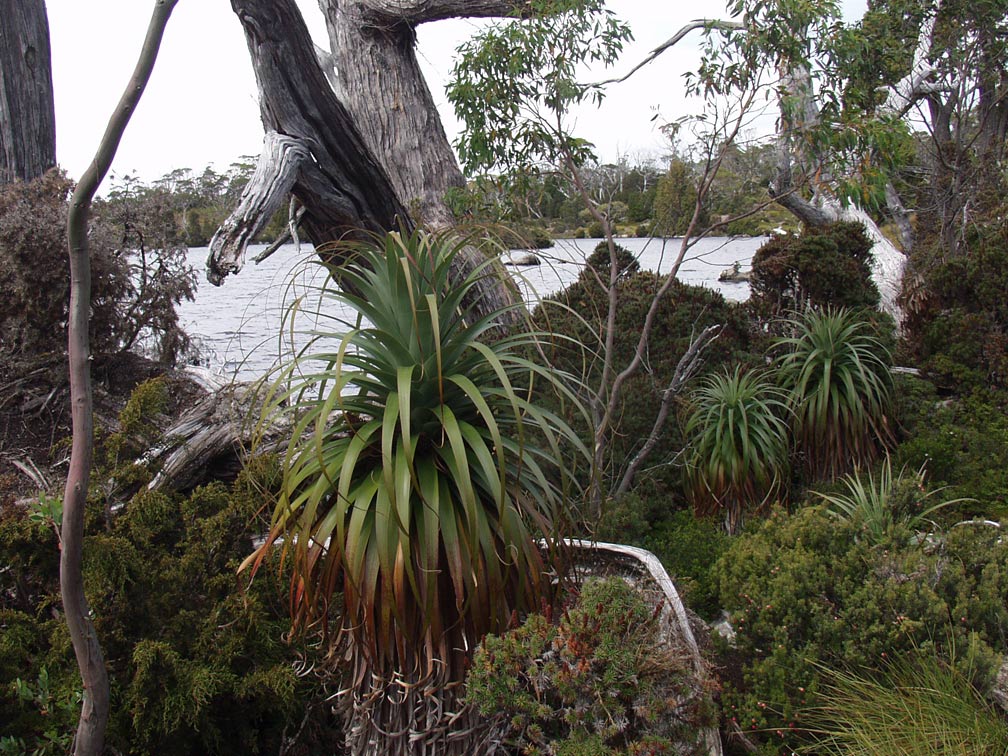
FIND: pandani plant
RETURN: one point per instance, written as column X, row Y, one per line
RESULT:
column 423, row 491
column 737, row 436
column 837, row 372
column 878, row 504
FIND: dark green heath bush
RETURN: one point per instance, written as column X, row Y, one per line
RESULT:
column 806, row 594
column 956, row 309
column 961, row 442
column 687, row 546
column 578, row 314
column 197, row 659
column 826, row 266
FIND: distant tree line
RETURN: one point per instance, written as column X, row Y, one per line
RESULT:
column 198, row 202
column 641, row 197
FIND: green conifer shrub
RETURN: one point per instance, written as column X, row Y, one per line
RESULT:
column 957, row 312
column 577, row 317
column 825, row 266
column 962, row 443
column 805, row 593
column 198, row 660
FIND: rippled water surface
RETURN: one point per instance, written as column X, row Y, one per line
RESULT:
column 243, row 326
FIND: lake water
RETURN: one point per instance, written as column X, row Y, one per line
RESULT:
column 242, row 329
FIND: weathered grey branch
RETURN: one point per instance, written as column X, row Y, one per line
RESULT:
column 686, row 368
column 210, row 440
column 383, row 89
column 271, row 183
column 900, row 217
column 918, row 83
column 290, row 233
column 380, row 158
column 414, row 12
column 90, row 737
column 700, row 23
column 344, row 189
column 327, row 62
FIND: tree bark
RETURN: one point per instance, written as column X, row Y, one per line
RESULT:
column 379, row 80
column 343, row 187
column 90, row 735
column 380, row 160
column 27, row 115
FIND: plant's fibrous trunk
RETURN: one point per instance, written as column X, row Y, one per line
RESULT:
column 27, row 116
column 90, row 735
column 418, row 713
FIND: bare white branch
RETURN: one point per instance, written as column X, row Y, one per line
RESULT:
column 274, row 177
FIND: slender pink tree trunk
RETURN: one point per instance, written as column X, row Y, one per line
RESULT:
column 90, row 736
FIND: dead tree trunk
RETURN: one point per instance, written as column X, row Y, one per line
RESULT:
column 378, row 78
column 343, row 188
column 27, row 117
column 371, row 152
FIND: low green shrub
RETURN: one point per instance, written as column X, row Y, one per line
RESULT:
column 824, row 266
column 806, row 594
column 600, row 260
column 577, row 316
column 600, row 681
column 688, row 548
column 957, row 313
column 961, row 442
column 197, row 660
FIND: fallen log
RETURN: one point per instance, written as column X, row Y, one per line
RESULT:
column 212, row 439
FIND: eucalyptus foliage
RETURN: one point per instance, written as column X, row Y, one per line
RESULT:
column 738, row 440
column 837, row 372
column 420, row 475
column 514, row 83
column 801, row 52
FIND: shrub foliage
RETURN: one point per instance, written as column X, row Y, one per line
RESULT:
column 824, row 266
column 197, row 662
column 577, row 318
column 139, row 274
column 600, row 681
column 806, row 594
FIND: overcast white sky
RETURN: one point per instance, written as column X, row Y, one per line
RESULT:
column 201, row 105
